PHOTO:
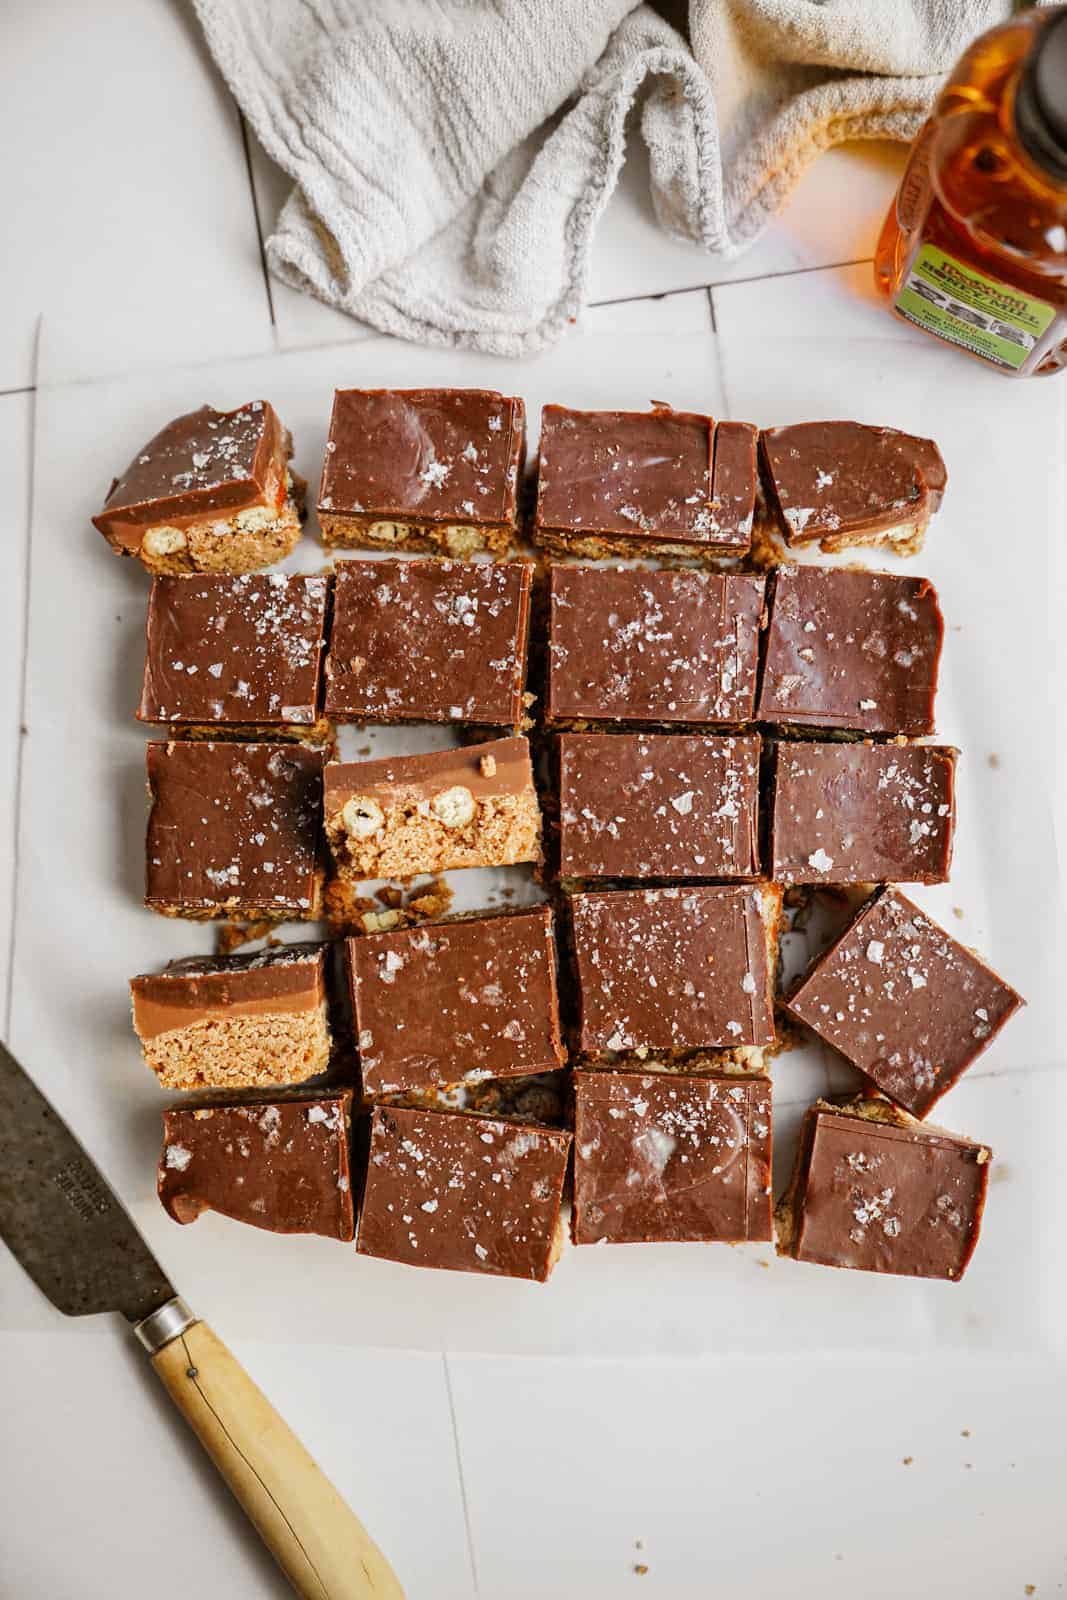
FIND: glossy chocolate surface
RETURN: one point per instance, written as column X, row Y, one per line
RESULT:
column 282, row 979
column 672, row 969
column 668, row 1156
column 862, row 813
column 638, row 474
column 233, row 823
column 429, row 641
column 472, row 1194
column 831, row 479
column 281, row 1164
column 223, row 650
column 883, row 1198
column 637, row 805
column 632, row 646
column 424, row 455
column 205, row 461
column 904, row 1002
column 851, row 649
column 456, row 1002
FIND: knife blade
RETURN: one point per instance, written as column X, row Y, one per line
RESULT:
column 65, row 1225
column 59, row 1216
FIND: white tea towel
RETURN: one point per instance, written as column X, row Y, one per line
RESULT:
column 451, row 158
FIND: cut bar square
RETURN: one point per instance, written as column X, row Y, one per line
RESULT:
column 456, row 1002
column 851, row 650
column 212, row 492
column 676, row 969
column 845, row 483
column 734, row 483
column 636, row 805
column 278, row 1164
column 667, row 1156
column 234, row 830
column 423, row 469
column 632, row 646
column 235, row 1022
column 633, row 483
column 471, row 1194
column 429, row 641
column 875, row 1190
column 903, row 1001
column 475, row 806
column 236, row 655
column 862, row 813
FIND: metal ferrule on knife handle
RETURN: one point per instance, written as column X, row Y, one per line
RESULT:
column 162, row 1326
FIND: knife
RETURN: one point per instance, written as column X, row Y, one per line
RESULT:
column 79, row 1245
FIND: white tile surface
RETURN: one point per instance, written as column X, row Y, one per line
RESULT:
column 753, row 1479
column 16, row 415
column 128, row 204
column 113, row 1498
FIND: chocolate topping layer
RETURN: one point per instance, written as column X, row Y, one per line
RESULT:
column 281, row 1165
column 456, row 1002
column 205, row 461
column 862, row 813
column 666, row 1156
column 852, row 650
column 413, row 778
column 634, row 805
column 903, row 1001
column 429, row 641
column 233, row 826
column 884, row 1197
column 424, row 455
column 630, row 645
column 832, row 479
column 626, row 472
column 674, row 969
column 473, row 1194
column 198, row 989
column 734, row 483
column 243, row 650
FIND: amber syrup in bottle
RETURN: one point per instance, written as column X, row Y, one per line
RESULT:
column 974, row 249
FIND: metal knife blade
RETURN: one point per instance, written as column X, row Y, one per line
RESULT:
column 59, row 1216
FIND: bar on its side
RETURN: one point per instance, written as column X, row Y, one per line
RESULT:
column 211, row 492
column 475, row 806
column 236, row 1022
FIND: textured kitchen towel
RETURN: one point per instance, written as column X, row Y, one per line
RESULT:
column 452, row 158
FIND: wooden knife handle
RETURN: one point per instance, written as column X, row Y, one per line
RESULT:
column 321, row 1546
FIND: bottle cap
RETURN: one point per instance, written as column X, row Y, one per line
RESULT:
column 1041, row 99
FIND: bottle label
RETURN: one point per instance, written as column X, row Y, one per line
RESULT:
column 992, row 319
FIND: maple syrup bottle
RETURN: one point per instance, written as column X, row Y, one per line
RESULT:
column 974, row 249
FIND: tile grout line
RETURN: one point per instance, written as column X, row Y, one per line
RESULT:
column 258, row 221
column 727, row 283
column 20, row 735
column 459, row 1473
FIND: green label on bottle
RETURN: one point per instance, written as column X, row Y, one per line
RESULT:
column 950, row 299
